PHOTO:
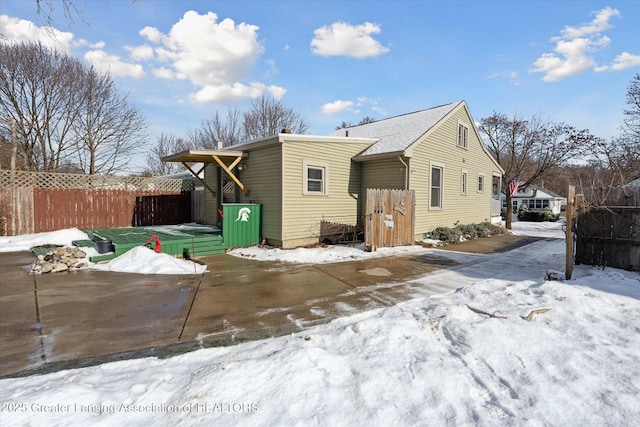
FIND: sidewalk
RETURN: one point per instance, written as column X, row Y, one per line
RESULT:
column 57, row 321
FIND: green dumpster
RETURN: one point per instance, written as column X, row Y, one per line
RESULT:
column 241, row 224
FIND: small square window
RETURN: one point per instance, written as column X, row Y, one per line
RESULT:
column 314, row 178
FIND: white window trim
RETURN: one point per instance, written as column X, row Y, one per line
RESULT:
column 465, row 136
column 441, row 166
column 306, row 164
column 484, row 182
column 464, row 182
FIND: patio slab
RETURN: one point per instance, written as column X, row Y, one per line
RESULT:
column 57, row 321
column 19, row 337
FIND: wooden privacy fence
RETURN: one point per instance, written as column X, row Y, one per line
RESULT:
column 33, row 202
column 390, row 218
column 609, row 236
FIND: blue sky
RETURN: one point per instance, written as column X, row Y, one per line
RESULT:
column 333, row 61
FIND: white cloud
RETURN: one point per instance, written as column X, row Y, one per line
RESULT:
column 622, row 62
column 216, row 56
column 113, row 64
column 599, row 24
column 163, row 73
column 140, row 53
column 574, row 46
column 273, row 69
column 342, row 39
column 276, row 91
column 234, row 92
column 337, row 107
column 15, row 30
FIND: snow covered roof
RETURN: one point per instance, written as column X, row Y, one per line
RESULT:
column 536, row 193
column 396, row 134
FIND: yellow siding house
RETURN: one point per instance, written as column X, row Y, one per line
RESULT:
column 302, row 181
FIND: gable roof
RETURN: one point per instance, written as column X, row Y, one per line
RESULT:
column 534, row 192
column 398, row 133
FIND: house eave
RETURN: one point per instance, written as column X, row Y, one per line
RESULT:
column 380, row 156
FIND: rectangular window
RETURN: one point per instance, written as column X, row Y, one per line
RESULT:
column 495, row 186
column 545, row 204
column 315, row 178
column 463, row 133
column 436, row 187
column 480, row 183
column 463, row 183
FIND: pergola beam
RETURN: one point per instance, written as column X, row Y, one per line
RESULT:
column 229, row 171
column 211, row 156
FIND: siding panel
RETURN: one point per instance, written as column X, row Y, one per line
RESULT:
column 302, row 214
column 263, row 178
column 441, row 147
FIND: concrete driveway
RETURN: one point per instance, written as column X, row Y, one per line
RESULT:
column 58, row 321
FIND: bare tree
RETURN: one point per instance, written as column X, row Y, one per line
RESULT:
column 108, row 130
column 269, row 117
column 365, row 120
column 215, row 130
column 166, row 145
column 266, row 117
column 66, row 116
column 529, row 148
column 39, row 91
column 631, row 127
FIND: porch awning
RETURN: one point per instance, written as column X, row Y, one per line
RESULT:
column 226, row 159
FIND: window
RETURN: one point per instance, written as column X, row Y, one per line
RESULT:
column 315, row 178
column 463, row 133
column 436, row 187
column 480, row 183
column 536, row 203
column 463, row 183
column 495, row 186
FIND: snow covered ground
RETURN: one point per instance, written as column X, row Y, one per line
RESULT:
column 506, row 348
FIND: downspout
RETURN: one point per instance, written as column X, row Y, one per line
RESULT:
column 406, row 173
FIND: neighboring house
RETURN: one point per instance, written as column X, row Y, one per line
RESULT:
column 303, row 180
column 536, row 199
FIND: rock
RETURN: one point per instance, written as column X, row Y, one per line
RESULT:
column 59, row 259
column 79, row 254
column 60, row 267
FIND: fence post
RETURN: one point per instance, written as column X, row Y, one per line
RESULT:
column 571, row 209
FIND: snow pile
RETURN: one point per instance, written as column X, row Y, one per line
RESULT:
column 25, row 242
column 322, row 254
column 145, row 261
column 138, row 260
column 495, row 353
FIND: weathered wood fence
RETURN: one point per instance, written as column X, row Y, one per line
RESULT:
column 390, row 218
column 33, row 202
column 609, row 235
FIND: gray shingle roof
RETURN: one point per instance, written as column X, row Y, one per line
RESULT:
column 396, row 134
